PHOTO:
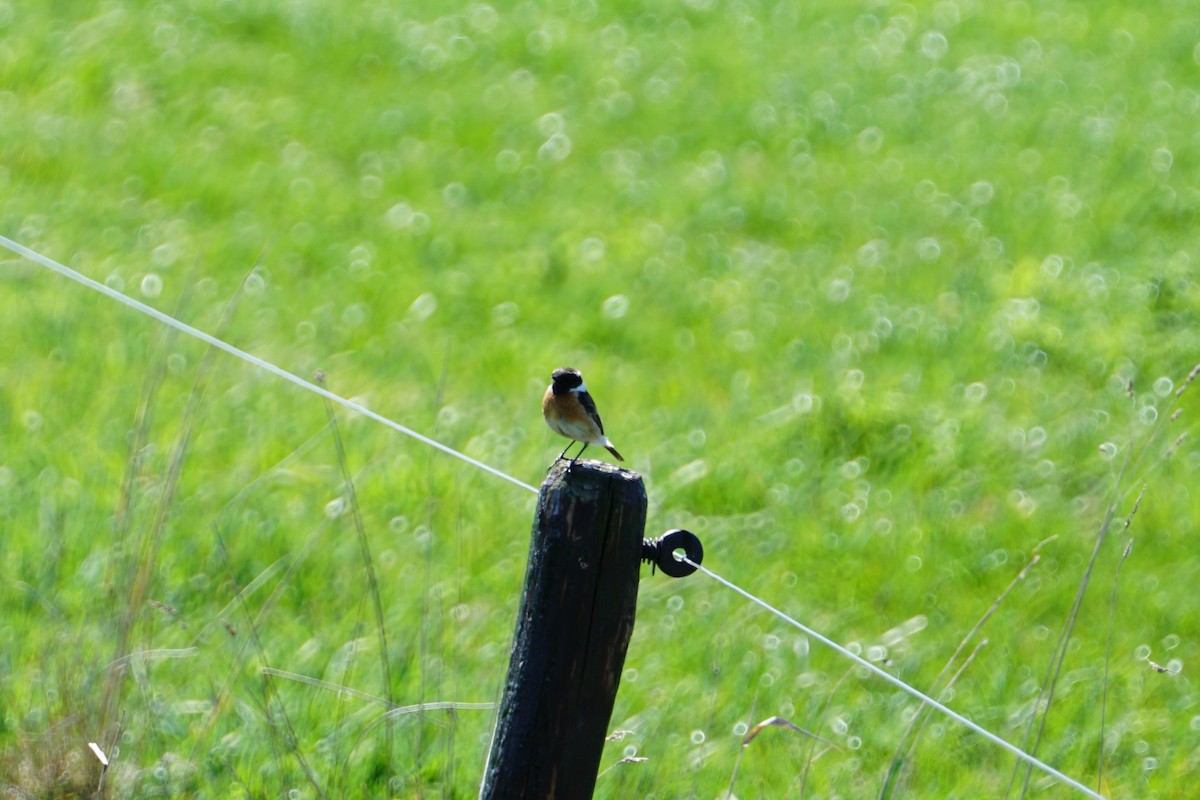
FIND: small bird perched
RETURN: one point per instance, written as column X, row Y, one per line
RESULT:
column 570, row 411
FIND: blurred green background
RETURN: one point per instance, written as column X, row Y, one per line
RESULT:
column 876, row 296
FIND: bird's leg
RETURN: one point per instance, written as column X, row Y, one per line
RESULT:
column 577, row 455
column 561, row 455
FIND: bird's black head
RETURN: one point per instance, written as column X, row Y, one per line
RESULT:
column 564, row 379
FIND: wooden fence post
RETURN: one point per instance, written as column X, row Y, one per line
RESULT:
column 572, row 632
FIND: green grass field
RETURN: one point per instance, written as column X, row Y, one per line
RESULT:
column 879, row 298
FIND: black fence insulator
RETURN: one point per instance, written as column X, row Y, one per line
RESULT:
column 660, row 552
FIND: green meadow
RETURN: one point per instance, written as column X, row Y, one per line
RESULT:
column 890, row 303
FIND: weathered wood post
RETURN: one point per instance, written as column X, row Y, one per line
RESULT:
column 572, row 632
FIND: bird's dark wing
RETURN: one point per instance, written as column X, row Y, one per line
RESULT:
column 589, row 405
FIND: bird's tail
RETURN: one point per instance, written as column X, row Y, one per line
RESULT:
column 608, row 446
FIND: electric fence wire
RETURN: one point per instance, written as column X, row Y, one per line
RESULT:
column 892, row 679
column 249, row 358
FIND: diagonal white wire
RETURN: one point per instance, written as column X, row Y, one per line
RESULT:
column 249, row 358
column 183, row 327
column 892, row 679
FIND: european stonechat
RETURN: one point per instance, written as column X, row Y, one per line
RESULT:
column 570, row 411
